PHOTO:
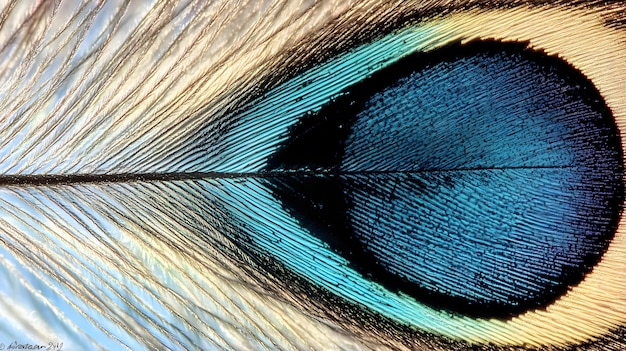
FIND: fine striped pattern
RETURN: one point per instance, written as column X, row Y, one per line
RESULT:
column 144, row 201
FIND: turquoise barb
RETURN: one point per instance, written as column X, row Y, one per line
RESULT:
column 258, row 131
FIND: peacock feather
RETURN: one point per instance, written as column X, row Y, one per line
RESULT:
column 294, row 175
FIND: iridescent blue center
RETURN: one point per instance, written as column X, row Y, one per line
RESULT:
column 484, row 179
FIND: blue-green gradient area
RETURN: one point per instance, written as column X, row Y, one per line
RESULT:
column 483, row 179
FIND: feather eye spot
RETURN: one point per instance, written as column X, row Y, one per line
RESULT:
column 464, row 177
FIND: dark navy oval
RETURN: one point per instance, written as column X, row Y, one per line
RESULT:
column 484, row 179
